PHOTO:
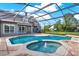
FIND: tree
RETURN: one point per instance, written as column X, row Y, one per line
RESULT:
column 69, row 24
column 58, row 26
column 46, row 28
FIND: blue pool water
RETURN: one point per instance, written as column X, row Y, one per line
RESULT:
column 50, row 47
column 25, row 39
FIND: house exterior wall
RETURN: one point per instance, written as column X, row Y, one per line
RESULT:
column 7, row 34
column 31, row 25
column 28, row 29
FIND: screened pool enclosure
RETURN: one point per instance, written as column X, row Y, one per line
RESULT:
column 22, row 18
column 39, row 29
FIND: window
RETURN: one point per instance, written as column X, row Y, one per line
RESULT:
column 8, row 29
column 22, row 29
column 12, row 29
column 19, row 28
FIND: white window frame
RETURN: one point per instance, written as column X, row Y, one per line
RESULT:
column 9, row 28
column 21, row 31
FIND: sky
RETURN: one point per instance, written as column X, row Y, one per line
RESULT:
column 52, row 8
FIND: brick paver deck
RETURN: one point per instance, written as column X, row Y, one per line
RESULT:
column 5, row 50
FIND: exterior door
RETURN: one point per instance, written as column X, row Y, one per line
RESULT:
column 28, row 29
column 22, row 29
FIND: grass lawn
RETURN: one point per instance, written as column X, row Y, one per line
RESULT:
column 63, row 33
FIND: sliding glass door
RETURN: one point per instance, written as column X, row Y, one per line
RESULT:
column 28, row 29
column 22, row 29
